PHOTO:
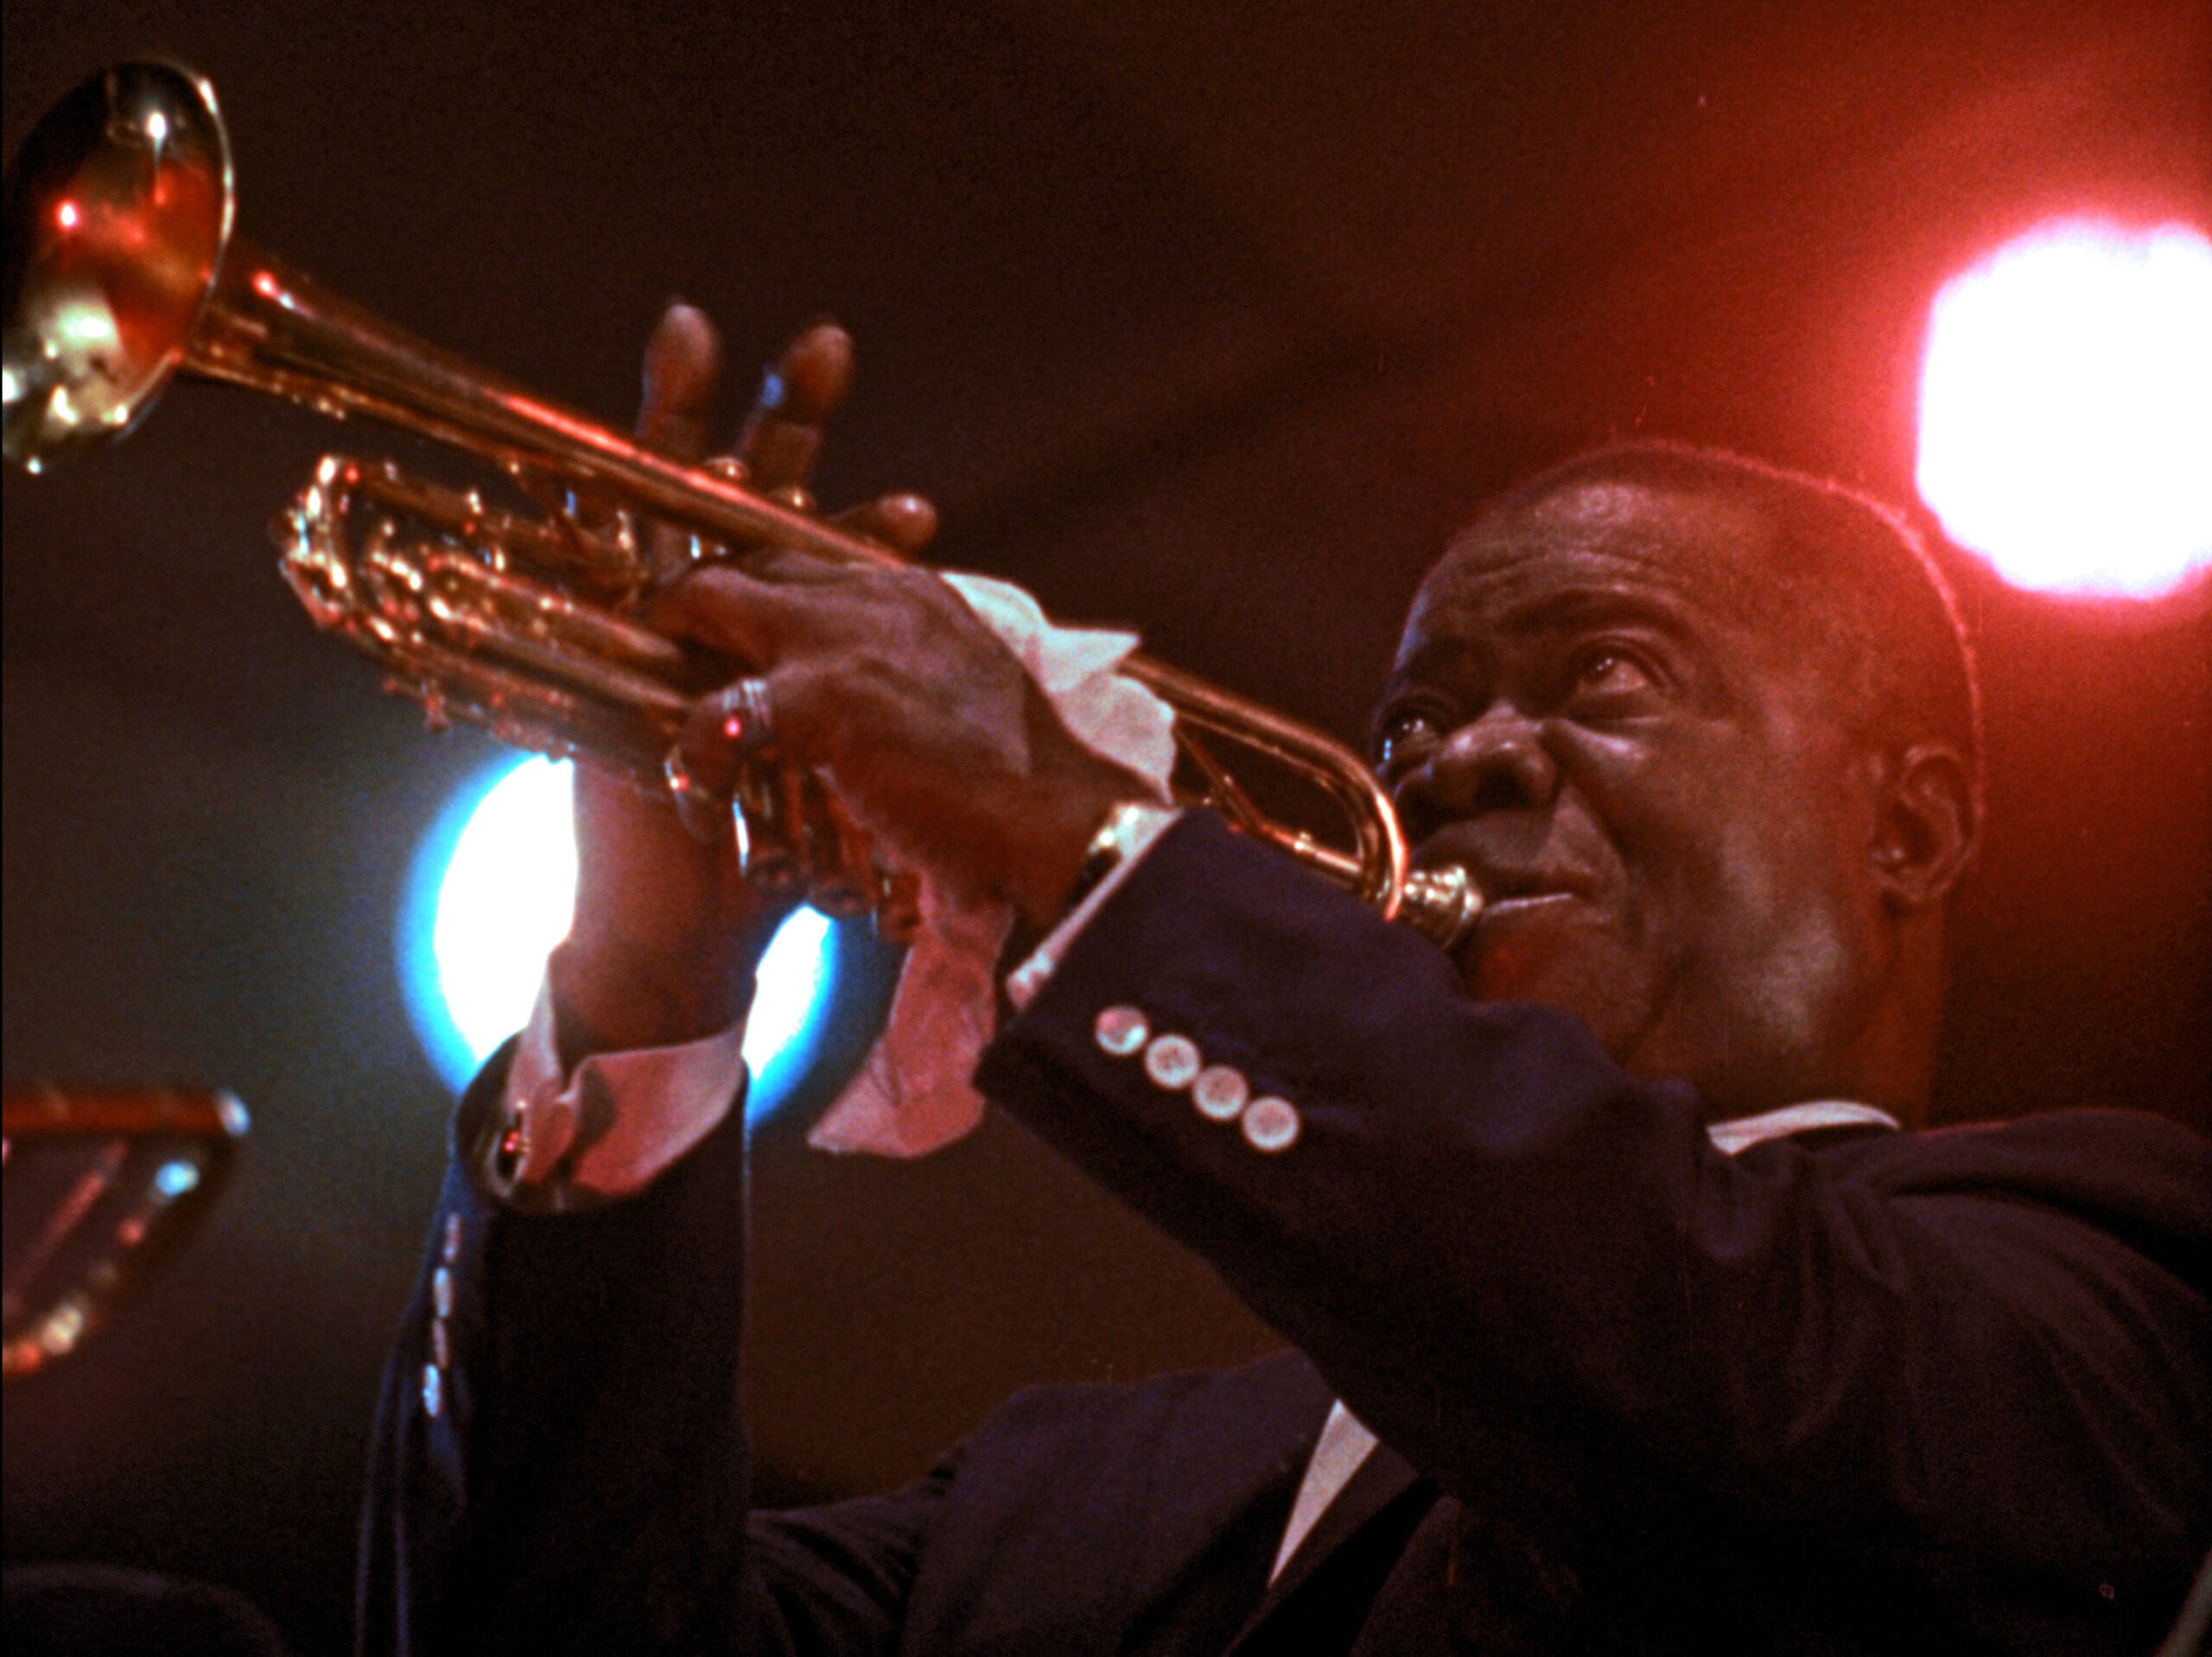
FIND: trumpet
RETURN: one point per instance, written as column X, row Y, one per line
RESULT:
column 123, row 272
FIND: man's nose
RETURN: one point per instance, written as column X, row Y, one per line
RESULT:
column 1496, row 763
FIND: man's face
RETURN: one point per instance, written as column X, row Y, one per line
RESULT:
column 1600, row 708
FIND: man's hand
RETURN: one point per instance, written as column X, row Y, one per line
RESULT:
column 922, row 723
column 666, row 934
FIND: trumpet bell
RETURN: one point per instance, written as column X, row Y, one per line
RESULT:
column 118, row 208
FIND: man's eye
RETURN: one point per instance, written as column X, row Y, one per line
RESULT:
column 1607, row 678
column 1401, row 733
column 1611, row 668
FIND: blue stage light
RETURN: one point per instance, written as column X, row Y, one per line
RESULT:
column 490, row 895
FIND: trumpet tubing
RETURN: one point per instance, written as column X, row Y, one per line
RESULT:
column 123, row 273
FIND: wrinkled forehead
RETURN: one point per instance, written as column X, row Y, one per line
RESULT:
column 1693, row 553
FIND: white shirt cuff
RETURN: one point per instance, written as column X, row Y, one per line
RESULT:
column 1025, row 981
column 611, row 1127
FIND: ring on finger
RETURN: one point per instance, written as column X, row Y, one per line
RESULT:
column 742, row 715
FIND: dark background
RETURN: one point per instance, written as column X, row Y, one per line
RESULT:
column 1208, row 320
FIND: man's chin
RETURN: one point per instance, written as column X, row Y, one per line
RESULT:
column 1543, row 949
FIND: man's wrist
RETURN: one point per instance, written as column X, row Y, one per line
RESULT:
column 1051, row 880
column 1127, row 828
column 572, row 1137
column 610, row 997
column 1124, row 835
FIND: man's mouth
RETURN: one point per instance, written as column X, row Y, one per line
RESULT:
column 1515, row 888
column 1505, row 917
column 1523, row 903
column 1509, row 890
column 1513, row 898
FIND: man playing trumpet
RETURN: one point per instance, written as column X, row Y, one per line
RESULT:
column 1632, row 1308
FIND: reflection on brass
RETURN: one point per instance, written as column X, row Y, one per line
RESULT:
column 101, row 1184
column 122, row 271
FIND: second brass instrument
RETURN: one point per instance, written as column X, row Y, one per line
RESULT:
column 122, row 271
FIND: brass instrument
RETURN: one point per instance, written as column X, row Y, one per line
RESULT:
column 104, row 1184
column 121, row 271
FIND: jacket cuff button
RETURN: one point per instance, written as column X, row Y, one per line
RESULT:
column 1219, row 1093
column 1171, row 1062
column 1271, row 1125
column 1121, row 1031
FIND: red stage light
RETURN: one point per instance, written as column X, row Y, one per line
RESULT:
column 2066, row 409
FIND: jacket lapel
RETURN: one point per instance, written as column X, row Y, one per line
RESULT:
column 1226, row 1445
column 1385, row 1479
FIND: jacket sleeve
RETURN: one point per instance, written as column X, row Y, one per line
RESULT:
column 559, row 1461
column 1494, row 1242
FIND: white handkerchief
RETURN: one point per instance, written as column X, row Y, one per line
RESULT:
column 914, row 1093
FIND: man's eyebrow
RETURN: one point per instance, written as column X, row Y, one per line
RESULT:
column 1449, row 662
column 1653, row 606
column 1430, row 655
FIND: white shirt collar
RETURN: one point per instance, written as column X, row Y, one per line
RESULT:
column 1344, row 1442
column 1741, row 1133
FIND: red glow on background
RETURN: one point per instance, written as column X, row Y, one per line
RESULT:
column 2066, row 409
column 66, row 215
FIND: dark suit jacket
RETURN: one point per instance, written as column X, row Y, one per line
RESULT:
column 1882, row 1393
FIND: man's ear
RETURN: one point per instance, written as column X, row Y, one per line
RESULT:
column 1928, row 822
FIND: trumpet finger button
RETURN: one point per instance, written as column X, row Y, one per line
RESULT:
column 1171, row 1062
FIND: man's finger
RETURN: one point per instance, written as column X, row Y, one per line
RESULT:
column 796, row 567
column 683, row 365
column 766, row 717
column 904, row 523
column 723, row 729
column 682, row 371
column 739, row 615
column 783, row 435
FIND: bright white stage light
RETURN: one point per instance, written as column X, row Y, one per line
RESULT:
column 504, row 891
column 490, row 896
column 790, row 999
column 2066, row 409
